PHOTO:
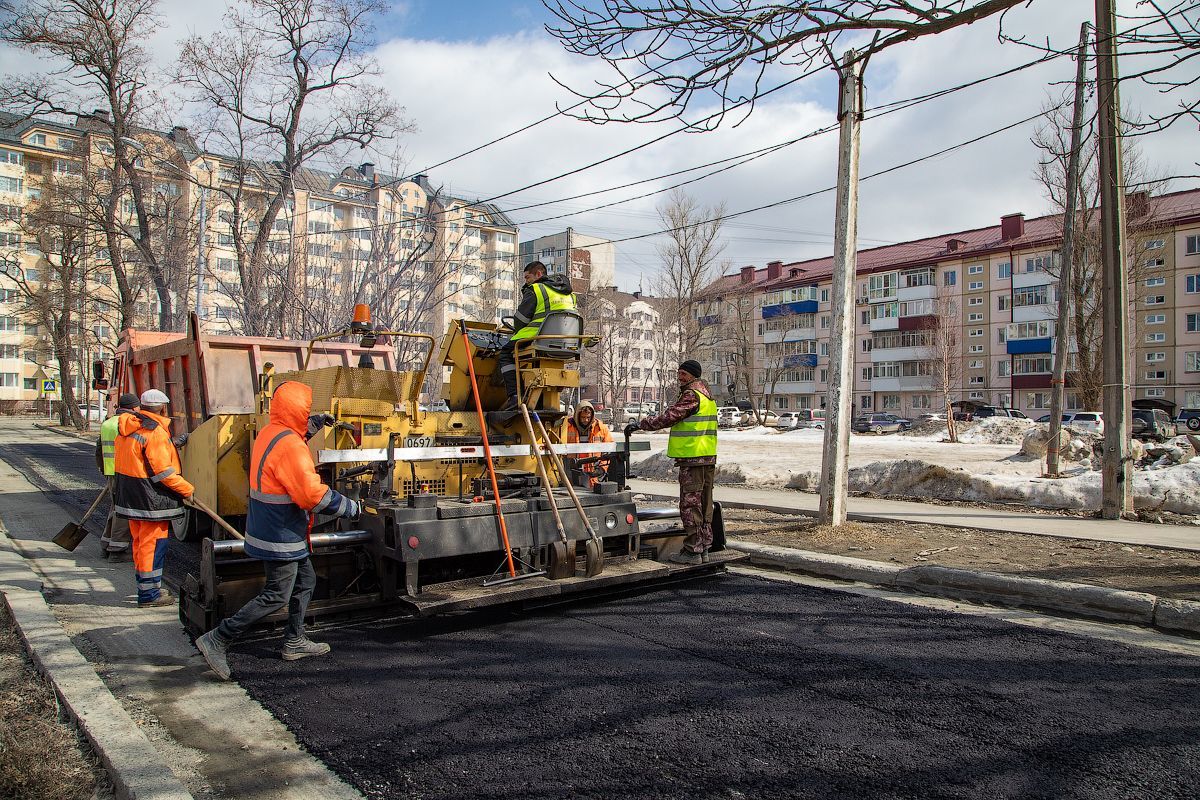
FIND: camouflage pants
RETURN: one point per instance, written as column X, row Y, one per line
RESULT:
column 696, row 505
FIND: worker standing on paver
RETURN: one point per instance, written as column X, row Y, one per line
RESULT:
column 150, row 490
column 285, row 493
column 115, row 544
column 693, row 444
column 540, row 295
column 584, row 427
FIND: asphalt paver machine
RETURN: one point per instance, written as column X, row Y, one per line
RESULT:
column 464, row 506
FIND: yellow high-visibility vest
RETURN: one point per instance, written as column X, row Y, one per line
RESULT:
column 696, row 435
column 548, row 300
column 108, row 444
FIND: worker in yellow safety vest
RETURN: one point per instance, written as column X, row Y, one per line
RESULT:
column 693, row 444
column 540, row 295
column 116, row 543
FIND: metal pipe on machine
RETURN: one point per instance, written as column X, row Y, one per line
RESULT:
column 652, row 514
column 229, row 547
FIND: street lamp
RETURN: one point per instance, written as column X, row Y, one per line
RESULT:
column 202, row 234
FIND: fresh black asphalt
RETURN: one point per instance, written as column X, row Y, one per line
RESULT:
column 729, row 687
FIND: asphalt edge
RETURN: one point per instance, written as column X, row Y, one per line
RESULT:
column 82, row 436
column 133, row 764
column 1076, row 599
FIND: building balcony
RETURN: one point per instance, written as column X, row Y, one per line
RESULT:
column 1022, row 280
column 926, row 292
column 900, row 354
column 795, row 387
column 884, row 323
column 784, row 309
column 1020, row 347
column 885, row 384
column 916, row 383
column 1039, row 380
column 709, row 320
column 919, row 322
column 800, row 360
column 1035, row 313
column 791, row 335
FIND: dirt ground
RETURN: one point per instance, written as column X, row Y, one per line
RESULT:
column 41, row 756
column 1164, row 572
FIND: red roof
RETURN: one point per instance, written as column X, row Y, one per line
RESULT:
column 1163, row 211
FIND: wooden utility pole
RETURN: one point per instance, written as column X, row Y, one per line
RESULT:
column 835, row 456
column 1116, row 492
column 1066, row 270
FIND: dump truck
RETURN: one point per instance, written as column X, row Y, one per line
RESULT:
column 465, row 506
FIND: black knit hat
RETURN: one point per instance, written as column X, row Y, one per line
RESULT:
column 128, row 401
column 691, row 367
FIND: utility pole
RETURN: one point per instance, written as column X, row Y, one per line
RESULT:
column 1116, row 491
column 835, row 456
column 1066, row 270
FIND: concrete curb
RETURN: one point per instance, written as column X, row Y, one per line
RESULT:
column 82, row 436
column 137, row 771
column 1079, row 599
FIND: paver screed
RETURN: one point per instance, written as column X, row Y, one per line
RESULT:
column 733, row 687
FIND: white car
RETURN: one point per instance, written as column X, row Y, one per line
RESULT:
column 768, row 417
column 729, row 417
column 1089, row 421
column 788, row 419
column 93, row 413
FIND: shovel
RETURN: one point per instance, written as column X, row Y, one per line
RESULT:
column 74, row 533
column 593, row 549
column 561, row 554
column 214, row 516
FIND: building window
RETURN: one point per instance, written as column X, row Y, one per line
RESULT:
column 9, row 324
column 949, row 278
column 1159, row 281
column 1191, row 245
column 10, row 156
column 975, row 332
column 891, row 402
column 1156, row 338
column 977, row 379
column 1156, row 392
column 10, row 184
column 974, row 301
column 866, row 402
column 866, row 373
column 1003, row 369
column 1003, row 303
column 1156, row 300
column 1032, row 296
column 10, row 380
column 1154, row 263
column 38, row 139
column 30, row 384
column 975, row 269
column 1193, row 323
column 974, row 286
column 1154, row 244
column 975, row 317
column 1156, row 374
column 824, row 320
column 1037, row 400
column 1193, row 283
column 1156, row 319
column 976, row 396
column 824, row 299
column 976, row 364
column 975, row 348
column 1004, row 270
column 866, row 318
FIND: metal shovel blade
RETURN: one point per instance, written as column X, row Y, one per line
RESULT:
column 560, row 560
column 70, row 536
column 594, row 564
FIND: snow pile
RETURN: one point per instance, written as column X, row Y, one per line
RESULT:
column 995, row 430
column 659, row 467
column 933, row 429
column 1073, row 445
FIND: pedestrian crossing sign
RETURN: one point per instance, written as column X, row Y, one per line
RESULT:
column 49, row 386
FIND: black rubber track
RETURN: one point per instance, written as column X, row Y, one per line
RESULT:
column 737, row 687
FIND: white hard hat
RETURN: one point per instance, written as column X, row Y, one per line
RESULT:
column 153, row 397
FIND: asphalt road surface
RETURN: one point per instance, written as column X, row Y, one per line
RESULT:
column 728, row 687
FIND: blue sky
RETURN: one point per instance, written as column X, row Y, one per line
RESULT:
column 462, row 20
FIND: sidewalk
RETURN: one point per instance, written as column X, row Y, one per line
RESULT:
column 866, row 509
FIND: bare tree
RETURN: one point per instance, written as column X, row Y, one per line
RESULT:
column 672, row 55
column 1164, row 40
column 689, row 259
column 55, row 228
column 606, row 363
column 289, row 82
column 943, row 347
column 101, row 45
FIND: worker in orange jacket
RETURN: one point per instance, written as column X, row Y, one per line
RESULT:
column 285, row 494
column 584, row 427
column 150, row 490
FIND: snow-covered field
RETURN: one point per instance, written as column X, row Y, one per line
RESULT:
column 923, row 466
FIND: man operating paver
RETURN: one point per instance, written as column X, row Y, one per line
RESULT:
column 116, row 542
column 150, row 490
column 285, row 493
column 693, row 444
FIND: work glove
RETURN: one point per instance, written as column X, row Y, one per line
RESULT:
column 181, row 439
column 353, row 510
column 318, row 421
column 632, row 428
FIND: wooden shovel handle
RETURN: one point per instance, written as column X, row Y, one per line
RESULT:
column 214, row 516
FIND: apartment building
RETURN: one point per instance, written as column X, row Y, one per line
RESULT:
column 420, row 255
column 638, row 352
column 989, row 292
column 588, row 260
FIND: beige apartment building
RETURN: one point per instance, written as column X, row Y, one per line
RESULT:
column 995, row 287
column 420, row 256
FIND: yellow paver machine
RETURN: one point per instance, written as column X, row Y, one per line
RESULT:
column 464, row 506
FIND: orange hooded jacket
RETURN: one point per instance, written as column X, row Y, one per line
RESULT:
column 284, row 485
column 148, row 483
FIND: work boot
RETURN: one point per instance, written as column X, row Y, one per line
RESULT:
column 119, row 556
column 215, row 649
column 296, row 649
column 686, row 557
column 163, row 599
column 511, row 403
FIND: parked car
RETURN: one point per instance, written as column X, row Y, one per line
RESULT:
column 1188, row 420
column 1090, row 421
column 811, row 418
column 1152, row 424
column 880, row 423
column 729, row 417
column 931, row 417
column 93, row 413
column 605, row 415
column 787, row 419
column 766, row 417
column 1045, row 419
column 983, row 412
